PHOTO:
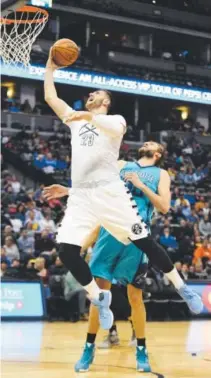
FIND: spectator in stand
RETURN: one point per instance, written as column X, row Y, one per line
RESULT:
column 168, row 240
column 186, row 211
column 185, row 228
column 42, row 271
column 26, row 242
column 14, row 107
column 11, row 249
column 192, row 217
column 205, row 226
column 189, row 179
column 31, row 206
column 191, row 273
column 45, row 244
column 49, row 163
column 181, row 201
column 206, row 209
column 8, row 231
column 201, row 252
column 26, row 107
column 31, row 222
column 199, row 205
column 17, row 224
column 8, row 196
column 4, row 257
column 38, row 192
column 20, row 214
column 4, row 266
column 49, row 223
column 199, row 271
column 73, row 289
column 184, row 271
column 58, row 268
column 198, row 176
column 15, row 184
column 186, row 246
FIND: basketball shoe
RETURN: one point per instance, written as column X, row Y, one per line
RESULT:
column 106, row 317
column 86, row 359
column 133, row 341
column 192, row 299
column 110, row 340
column 142, row 361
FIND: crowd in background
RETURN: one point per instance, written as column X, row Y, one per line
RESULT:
column 29, row 222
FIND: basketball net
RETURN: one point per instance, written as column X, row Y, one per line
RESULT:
column 19, row 30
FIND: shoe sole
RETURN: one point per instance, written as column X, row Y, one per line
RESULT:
column 112, row 315
column 202, row 306
column 108, row 346
column 144, row 370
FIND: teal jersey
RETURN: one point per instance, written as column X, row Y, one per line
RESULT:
column 150, row 176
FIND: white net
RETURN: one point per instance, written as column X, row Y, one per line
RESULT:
column 19, row 31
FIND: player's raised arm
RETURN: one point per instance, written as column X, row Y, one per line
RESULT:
column 162, row 200
column 59, row 106
column 114, row 125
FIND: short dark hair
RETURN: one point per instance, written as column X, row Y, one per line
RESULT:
column 110, row 96
column 161, row 150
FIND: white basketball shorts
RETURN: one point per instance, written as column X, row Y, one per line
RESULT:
column 111, row 206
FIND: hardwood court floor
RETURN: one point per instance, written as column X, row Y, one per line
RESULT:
column 49, row 350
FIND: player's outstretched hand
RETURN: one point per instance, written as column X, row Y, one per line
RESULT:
column 78, row 116
column 50, row 63
column 134, row 179
column 55, row 191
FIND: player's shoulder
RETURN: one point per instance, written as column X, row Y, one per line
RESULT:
column 120, row 118
column 128, row 165
column 164, row 174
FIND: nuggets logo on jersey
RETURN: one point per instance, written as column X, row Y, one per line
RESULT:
column 137, row 229
column 88, row 133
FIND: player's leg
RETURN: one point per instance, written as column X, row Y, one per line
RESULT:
column 88, row 354
column 132, row 267
column 138, row 312
column 124, row 222
column 159, row 258
column 78, row 222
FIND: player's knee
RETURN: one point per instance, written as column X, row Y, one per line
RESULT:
column 134, row 296
column 103, row 284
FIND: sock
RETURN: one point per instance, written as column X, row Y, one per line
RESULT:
column 90, row 338
column 175, row 278
column 113, row 329
column 141, row 342
column 93, row 290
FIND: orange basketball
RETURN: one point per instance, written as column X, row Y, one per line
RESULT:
column 64, row 52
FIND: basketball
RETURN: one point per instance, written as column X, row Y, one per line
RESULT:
column 64, row 52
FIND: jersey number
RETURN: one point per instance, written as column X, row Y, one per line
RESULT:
column 87, row 140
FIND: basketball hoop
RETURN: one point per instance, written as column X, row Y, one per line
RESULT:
column 19, row 30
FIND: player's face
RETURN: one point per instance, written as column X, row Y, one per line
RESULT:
column 96, row 99
column 149, row 149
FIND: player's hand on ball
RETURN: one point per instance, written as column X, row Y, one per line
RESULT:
column 78, row 116
column 133, row 178
column 50, row 63
column 55, row 191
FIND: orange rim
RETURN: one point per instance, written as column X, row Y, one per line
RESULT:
column 29, row 10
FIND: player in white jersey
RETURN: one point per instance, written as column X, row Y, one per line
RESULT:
column 98, row 195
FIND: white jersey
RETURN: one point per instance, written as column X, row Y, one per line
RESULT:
column 94, row 153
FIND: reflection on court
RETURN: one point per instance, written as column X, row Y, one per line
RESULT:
column 50, row 350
